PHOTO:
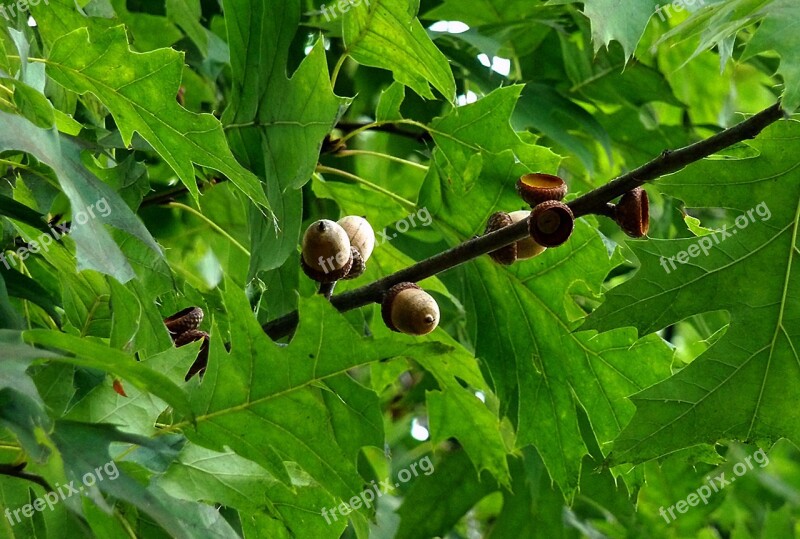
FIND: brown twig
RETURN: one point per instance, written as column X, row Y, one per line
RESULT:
column 17, row 470
column 593, row 202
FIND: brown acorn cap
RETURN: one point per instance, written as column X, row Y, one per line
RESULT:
column 184, row 320
column 551, row 223
column 358, row 265
column 329, row 276
column 508, row 254
column 190, row 336
column 200, row 363
column 536, row 188
column 632, row 214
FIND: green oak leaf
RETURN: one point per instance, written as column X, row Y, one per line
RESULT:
column 199, row 474
column 86, row 447
column 96, row 248
column 619, row 20
column 740, row 386
column 430, row 509
column 272, row 404
column 778, row 32
column 387, row 34
column 284, row 121
column 139, row 93
column 85, row 353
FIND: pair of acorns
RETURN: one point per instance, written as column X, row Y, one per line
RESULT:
column 339, row 250
column 551, row 222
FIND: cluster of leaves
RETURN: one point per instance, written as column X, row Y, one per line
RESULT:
column 574, row 394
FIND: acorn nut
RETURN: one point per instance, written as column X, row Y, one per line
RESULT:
column 521, row 250
column 632, row 213
column 360, row 233
column 536, row 188
column 526, row 248
column 407, row 308
column 326, row 251
column 551, row 223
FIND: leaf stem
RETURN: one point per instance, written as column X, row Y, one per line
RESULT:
column 373, row 125
column 593, row 202
column 358, row 179
column 349, row 153
column 210, row 223
column 337, row 68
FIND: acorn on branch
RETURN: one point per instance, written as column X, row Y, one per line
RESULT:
column 551, row 223
column 521, row 250
column 362, row 242
column 327, row 256
column 536, row 188
column 632, row 213
column 406, row 308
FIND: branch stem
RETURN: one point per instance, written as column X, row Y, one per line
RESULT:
column 593, row 202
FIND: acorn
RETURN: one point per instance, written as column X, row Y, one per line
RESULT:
column 326, row 251
column 526, row 248
column 536, row 188
column 360, row 233
column 407, row 308
column 551, row 223
column 505, row 255
column 632, row 213
column 521, row 250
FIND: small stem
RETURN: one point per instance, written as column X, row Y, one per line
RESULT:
column 337, row 68
column 375, row 125
column 326, row 289
column 18, row 471
column 210, row 223
column 29, row 58
column 349, row 153
column 367, row 183
column 385, row 127
column 608, row 210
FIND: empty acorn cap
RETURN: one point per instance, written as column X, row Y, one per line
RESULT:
column 526, row 248
column 551, row 223
column 361, row 235
column 632, row 214
column 407, row 308
column 536, row 188
column 508, row 254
